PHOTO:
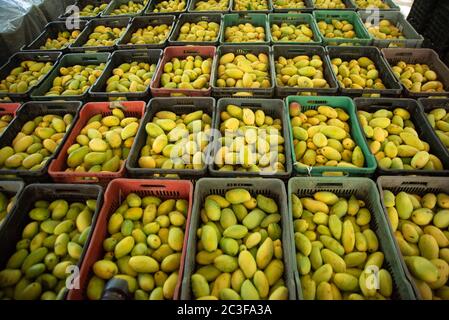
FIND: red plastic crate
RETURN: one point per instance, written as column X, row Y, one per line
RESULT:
column 59, row 164
column 117, row 191
column 182, row 52
column 9, row 108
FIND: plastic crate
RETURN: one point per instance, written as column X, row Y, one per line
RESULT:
column 393, row 87
column 181, row 52
column 25, row 113
column 427, row 56
column 152, row 4
column 426, row 105
column 293, row 51
column 51, row 31
column 363, row 38
column 273, row 188
column 309, row 6
column 194, row 18
column 193, row 3
column 271, row 107
column 347, row 105
column 12, row 188
column 118, row 22
column 373, row 104
column 114, row 195
column 413, row 38
column 267, row 10
column 256, row 19
column 18, row 218
column 15, row 61
column 296, row 19
column 349, row 6
column 393, row 7
column 219, row 92
column 366, row 190
column 68, row 60
column 150, row 56
column 143, row 22
column 420, row 12
column 81, row 4
column 58, row 166
column 179, row 106
column 114, row 4
column 414, row 185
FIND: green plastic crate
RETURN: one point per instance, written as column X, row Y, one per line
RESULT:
column 296, row 19
column 256, row 19
column 364, row 189
column 363, row 36
column 267, row 10
column 346, row 104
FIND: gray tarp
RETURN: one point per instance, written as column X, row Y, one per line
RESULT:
column 21, row 21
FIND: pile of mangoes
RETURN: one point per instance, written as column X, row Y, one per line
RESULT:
column 131, row 77
column 103, row 36
column 420, row 224
column 364, row 4
column 6, row 204
column 212, row 5
column 291, row 32
column 357, row 74
column 394, row 141
column 63, row 40
column 287, row 4
column 300, row 72
column 322, row 137
column 4, row 122
column 170, row 6
column 144, row 246
column 129, row 8
column 337, row 29
column 188, row 73
column 418, row 77
column 239, row 249
column 199, row 32
column 103, row 144
column 385, row 30
column 244, row 71
column 176, row 141
column 25, row 76
column 75, row 80
column 330, row 4
column 35, row 143
column 250, row 5
column 91, row 10
column 250, row 141
column 337, row 252
column 244, row 33
column 150, row 34
column 52, row 242
column 439, row 120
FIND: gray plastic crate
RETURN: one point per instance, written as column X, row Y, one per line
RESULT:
column 393, row 87
column 16, row 59
column 296, row 19
column 364, row 189
column 114, row 4
column 98, row 90
column 416, row 116
column 143, row 22
column 414, row 185
column 179, row 106
column 81, row 4
column 267, row 10
column 256, row 19
column 11, row 188
column 308, row 8
column 413, row 38
column 195, row 18
column 393, row 6
column 271, row 107
column 220, row 92
column 350, row 6
column 427, row 56
column 149, row 10
column 293, row 51
column 268, row 187
column 193, row 3
column 118, row 22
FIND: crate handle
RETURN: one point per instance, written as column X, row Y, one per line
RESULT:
column 67, row 190
column 244, row 16
column 317, row 102
column 43, row 57
column 404, row 54
column 191, row 52
column 53, row 107
column 252, row 104
column 159, row 186
column 88, row 59
column 329, row 185
column 237, row 184
column 139, row 55
column 414, row 183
